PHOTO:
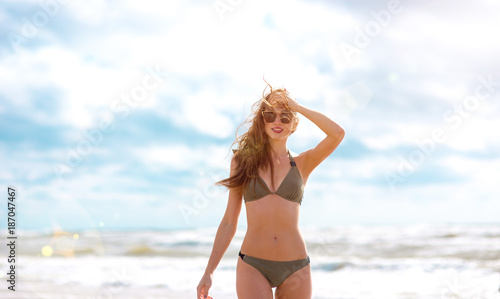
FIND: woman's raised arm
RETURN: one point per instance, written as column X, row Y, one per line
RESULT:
column 334, row 135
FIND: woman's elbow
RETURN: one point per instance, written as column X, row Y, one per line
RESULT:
column 341, row 133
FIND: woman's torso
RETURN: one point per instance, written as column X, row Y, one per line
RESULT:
column 272, row 220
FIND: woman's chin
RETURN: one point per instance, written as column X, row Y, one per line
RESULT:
column 278, row 136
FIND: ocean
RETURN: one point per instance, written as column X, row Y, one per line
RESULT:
column 350, row 262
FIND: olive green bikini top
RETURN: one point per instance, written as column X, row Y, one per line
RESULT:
column 292, row 187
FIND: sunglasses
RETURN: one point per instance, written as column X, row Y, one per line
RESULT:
column 270, row 116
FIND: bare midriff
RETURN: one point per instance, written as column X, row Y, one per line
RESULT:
column 273, row 230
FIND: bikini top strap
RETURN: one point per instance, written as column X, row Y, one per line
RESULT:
column 292, row 161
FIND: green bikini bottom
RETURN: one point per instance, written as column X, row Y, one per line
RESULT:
column 276, row 272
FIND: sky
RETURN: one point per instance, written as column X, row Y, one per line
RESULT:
column 121, row 114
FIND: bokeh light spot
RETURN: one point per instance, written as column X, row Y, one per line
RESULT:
column 47, row 250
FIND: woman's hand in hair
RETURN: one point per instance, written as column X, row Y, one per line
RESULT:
column 292, row 104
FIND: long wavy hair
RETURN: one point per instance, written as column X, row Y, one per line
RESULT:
column 253, row 150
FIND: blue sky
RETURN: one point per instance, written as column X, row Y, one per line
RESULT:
column 121, row 114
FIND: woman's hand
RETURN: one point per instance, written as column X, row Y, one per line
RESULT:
column 292, row 103
column 204, row 286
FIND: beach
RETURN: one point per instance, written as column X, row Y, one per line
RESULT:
column 416, row 261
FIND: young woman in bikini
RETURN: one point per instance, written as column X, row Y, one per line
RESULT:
column 271, row 182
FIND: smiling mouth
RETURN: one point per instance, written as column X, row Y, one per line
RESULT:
column 277, row 130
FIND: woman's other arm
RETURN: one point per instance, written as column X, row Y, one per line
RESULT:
column 225, row 233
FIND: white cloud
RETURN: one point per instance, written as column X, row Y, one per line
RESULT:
column 182, row 157
column 481, row 172
column 82, row 88
column 471, row 136
column 89, row 12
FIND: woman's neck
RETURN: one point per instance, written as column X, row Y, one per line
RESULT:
column 279, row 148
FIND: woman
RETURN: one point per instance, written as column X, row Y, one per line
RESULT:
column 271, row 182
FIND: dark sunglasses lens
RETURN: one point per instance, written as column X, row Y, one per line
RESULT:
column 286, row 118
column 269, row 117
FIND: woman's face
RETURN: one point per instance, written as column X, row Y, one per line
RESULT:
column 278, row 122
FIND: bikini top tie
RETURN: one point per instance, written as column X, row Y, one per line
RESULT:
column 291, row 188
